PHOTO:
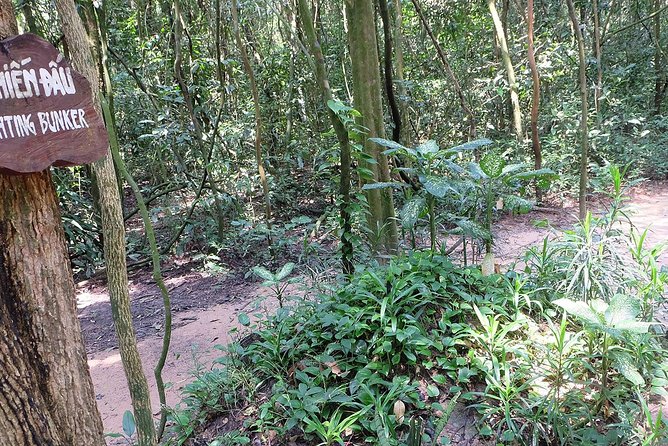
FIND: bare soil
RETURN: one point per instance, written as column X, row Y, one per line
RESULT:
column 206, row 308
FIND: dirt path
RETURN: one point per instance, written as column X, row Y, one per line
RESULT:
column 206, row 307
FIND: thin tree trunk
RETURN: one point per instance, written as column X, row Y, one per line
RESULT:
column 598, row 88
column 368, row 100
column 399, row 65
column 535, row 98
column 444, row 61
column 114, row 237
column 660, row 81
column 510, row 71
column 339, row 129
column 47, row 396
column 584, row 131
column 248, row 68
column 387, row 67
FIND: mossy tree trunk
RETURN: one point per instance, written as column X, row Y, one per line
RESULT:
column 46, row 394
column 510, row 71
column 114, row 236
column 368, row 101
column 340, row 130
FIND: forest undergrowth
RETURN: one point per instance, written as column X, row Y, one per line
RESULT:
column 565, row 351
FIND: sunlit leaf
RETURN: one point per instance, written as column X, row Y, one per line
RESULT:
column 471, row 145
column 492, row 165
column 285, row 271
column 428, row 147
column 263, row 273
column 382, row 185
column 580, row 310
column 624, row 364
column 622, row 308
column 411, row 211
column 435, row 185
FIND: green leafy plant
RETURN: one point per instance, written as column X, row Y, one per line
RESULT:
column 276, row 281
column 430, row 165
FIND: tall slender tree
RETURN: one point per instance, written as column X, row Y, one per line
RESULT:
column 113, row 230
column 535, row 97
column 340, row 130
column 250, row 73
column 510, row 70
column 46, row 394
column 584, row 109
column 363, row 47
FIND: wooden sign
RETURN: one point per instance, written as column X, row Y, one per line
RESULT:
column 47, row 115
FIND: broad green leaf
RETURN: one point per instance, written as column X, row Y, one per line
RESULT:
column 263, row 273
column 471, row 229
column 454, row 167
column 432, row 391
column 428, row 147
column 624, row 364
column 511, row 169
column 471, row 145
column 622, row 308
column 338, row 106
column 437, row 186
column 492, row 165
column 634, row 326
column 475, row 171
column 387, row 143
column 285, row 271
column 381, row 185
column 244, row 319
column 393, row 147
column 580, row 310
column 411, row 211
column 129, row 425
column 517, row 204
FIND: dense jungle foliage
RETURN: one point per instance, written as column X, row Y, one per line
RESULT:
column 369, row 147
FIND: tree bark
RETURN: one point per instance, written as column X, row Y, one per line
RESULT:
column 399, row 65
column 535, row 98
column 387, row 68
column 46, row 394
column 660, row 81
column 339, row 129
column 114, row 236
column 368, row 101
column 510, row 71
column 584, row 129
column 598, row 88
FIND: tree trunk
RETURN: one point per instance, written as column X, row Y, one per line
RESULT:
column 598, row 88
column 660, row 81
column 339, row 129
column 584, row 130
column 399, row 66
column 46, row 395
column 368, row 101
column 248, row 68
column 535, row 98
column 510, row 71
column 114, row 237
column 387, row 68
